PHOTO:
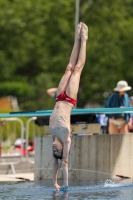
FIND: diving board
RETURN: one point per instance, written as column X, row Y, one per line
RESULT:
column 74, row 112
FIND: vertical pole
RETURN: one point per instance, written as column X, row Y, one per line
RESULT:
column 77, row 14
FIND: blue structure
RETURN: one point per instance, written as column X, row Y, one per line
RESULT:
column 74, row 112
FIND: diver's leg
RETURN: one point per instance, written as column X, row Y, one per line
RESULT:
column 73, row 85
column 73, row 59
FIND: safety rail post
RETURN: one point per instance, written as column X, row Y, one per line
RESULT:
column 27, row 138
column 9, row 163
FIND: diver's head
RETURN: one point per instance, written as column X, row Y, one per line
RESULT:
column 57, row 148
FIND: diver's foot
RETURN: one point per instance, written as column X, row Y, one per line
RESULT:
column 84, row 32
column 64, row 188
column 78, row 31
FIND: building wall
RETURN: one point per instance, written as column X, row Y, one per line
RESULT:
column 5, row 103
column 91, row 157
column 8, row 103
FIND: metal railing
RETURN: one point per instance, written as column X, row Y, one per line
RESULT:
column 5, row 135
column 34, row 131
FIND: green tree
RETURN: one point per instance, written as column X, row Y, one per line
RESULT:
column 36, row 40
column 33, row 36
column 109, row 50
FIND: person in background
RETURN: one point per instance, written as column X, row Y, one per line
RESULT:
column 65, row 101
column 119, row 123
column 131, row 101
column 103, row 120
column 52, row 92
column 19, row 147
column 2, row 122
column 131, row 118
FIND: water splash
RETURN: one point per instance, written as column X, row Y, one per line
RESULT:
column 109, row 183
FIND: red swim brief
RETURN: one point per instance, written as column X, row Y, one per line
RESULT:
column 63, row 97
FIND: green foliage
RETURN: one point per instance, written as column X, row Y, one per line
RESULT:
column 33, row 35
column 36, row 40
column 109, row 47
column 18, row 89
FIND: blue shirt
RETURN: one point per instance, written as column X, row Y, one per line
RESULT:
column 115, row 101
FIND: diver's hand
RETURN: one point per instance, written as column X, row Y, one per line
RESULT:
column 57, row 186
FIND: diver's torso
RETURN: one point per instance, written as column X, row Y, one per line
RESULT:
column 60, row 120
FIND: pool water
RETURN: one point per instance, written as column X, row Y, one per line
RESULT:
column 41, row 190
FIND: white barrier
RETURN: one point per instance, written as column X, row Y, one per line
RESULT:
column 27, row 139
column 12, row 163
column 36, row 130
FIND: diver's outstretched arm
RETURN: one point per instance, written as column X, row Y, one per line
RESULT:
column 55, row 173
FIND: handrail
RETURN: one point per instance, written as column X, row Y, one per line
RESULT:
column 27, row 138
column 74, row 112
column 12, row 163
column 21, row 136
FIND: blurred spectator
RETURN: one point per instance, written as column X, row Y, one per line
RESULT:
column 131, row 118
column 103, row 120
column 2, row 122
column 19, row 142
column 131, row 101
column 119, row 123
column 31, row 148
column 19, row 146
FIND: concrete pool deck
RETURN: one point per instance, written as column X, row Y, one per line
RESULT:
column 16, row 177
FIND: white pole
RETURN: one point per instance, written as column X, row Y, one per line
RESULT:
column 77, row 14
